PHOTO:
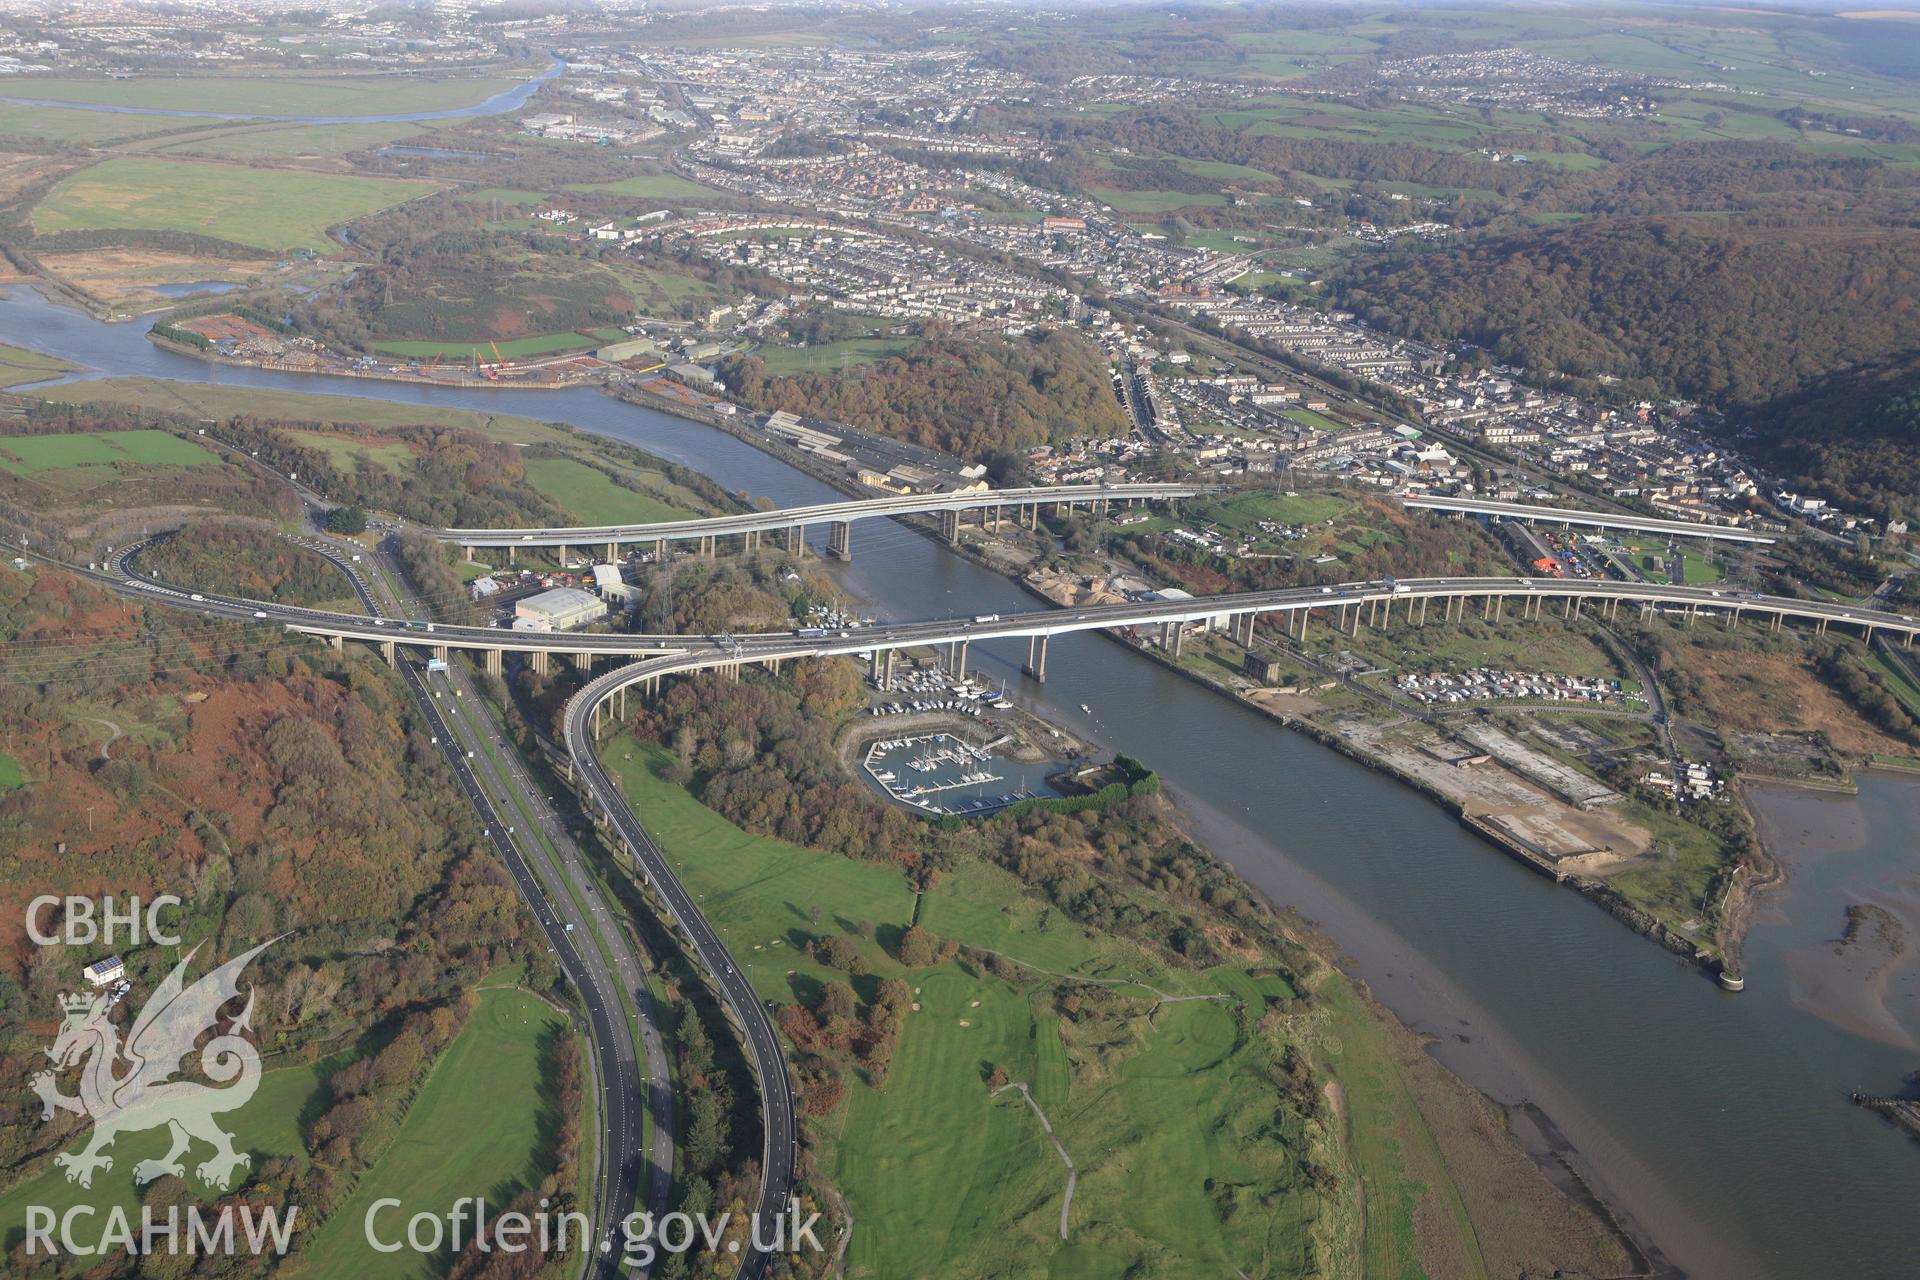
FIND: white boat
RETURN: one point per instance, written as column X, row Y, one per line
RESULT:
column 1084, row 707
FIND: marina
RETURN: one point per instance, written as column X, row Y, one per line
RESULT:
column 943, row 773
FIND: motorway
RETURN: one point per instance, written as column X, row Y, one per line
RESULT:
column 596, row 956
column 825, row 513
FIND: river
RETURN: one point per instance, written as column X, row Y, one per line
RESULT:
column 1717, row 1123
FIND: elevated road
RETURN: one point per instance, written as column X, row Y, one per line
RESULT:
column 1344, row 603
column 1588, row 519
column 829, row 513
column 779, row 1130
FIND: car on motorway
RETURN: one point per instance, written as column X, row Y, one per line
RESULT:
column 197, row 598
column 259, row 613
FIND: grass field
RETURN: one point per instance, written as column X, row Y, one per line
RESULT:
column 31, row 455
column 19, row 366
column 592, row 496
column 1309, row 418
column 346, row 452
column 830, row 357
column 12, row 778
column 325, row 141
column 545, row 344
column 205, row 400
column 1698, row 570
column 264, row 208
column 279, row 95
column 1246, row 510
column 1170, row 1106
column 57, row 124
column 662, row 186
column 1156, row 201
column 479, row 1126
column 757, row 891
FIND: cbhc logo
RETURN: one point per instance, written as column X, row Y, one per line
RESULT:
column 112, row 923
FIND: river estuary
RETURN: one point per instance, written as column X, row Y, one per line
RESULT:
column 1718, row 1124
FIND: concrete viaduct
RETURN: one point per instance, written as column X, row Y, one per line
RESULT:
column 752, row 527
column 1590, row 519
column 1343, row 607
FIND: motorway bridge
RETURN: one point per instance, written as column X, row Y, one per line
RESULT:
column 752, row 526
column 1344, row 607
column 1587, row 519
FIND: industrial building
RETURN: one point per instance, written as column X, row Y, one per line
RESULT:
column 613, row 588
column 561, row 609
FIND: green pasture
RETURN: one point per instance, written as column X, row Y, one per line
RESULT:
column 271, row 209
column 590, row 494
column 30, row 455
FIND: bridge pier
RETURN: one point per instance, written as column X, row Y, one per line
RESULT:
column 334, row 643
column 796, row 540
column 840, row 540
column 950, row 528
column 496, row 663
column 957, row 659
column 510, row 553
column 540, row 661
column 1423, row 611
column 883, row 669
column 1170, row 633
column 1036, row 658
column 583, row 661
column 613, row 553
column 390, row 651
column 709, row 546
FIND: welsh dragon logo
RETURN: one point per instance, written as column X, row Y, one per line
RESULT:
column 144, row 1094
